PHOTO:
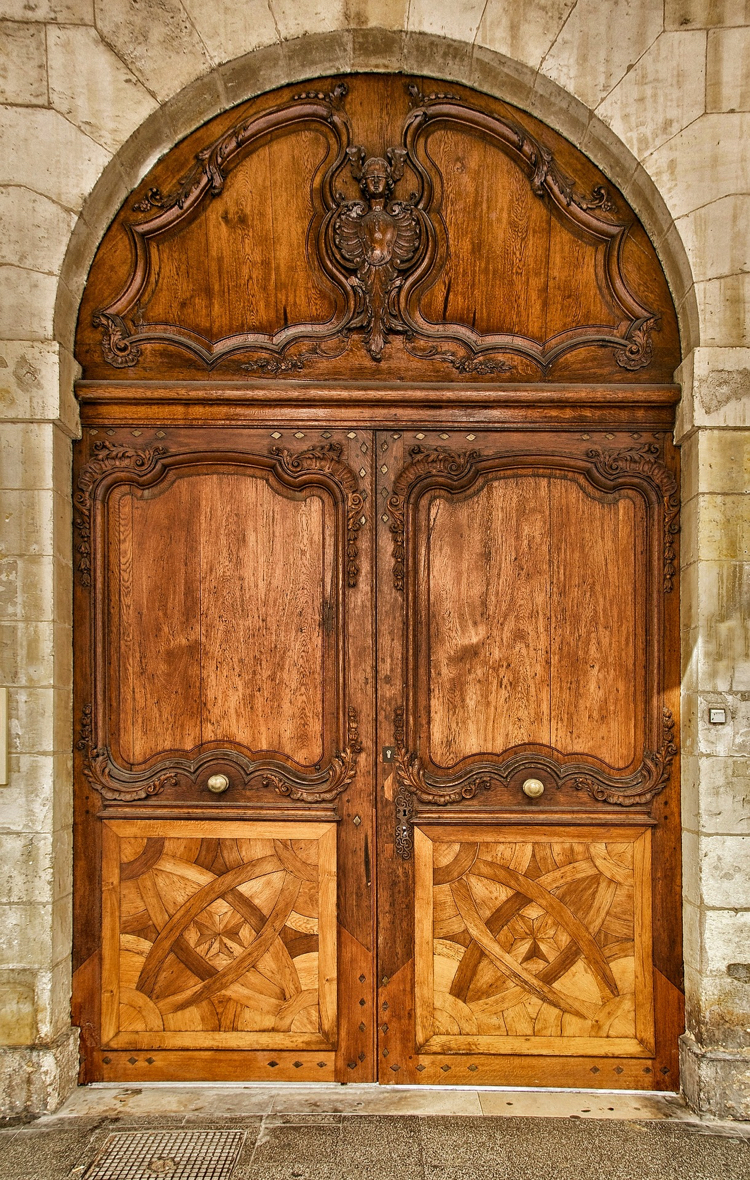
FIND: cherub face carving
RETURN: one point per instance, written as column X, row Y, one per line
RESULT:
column 376, row 180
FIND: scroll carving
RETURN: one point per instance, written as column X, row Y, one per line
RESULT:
column 382, row 252
column 645, row 461
column 108, row 456
column 651, row 777
column 613, row 465
column 594, row 214
column 328, row 459
column 115, row 783
column 439, row 461
column 412, row 777
column 123, row 333
column 341, row 771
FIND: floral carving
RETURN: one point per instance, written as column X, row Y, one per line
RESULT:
column 118, row 346
column 112, row 782
column 645, row 461
column 639, row 347
column 651, row 777
column 382, row 254
column 411, row 776
column 108, row 456
column 454, row 464
column 328, row 459
column 98, row 770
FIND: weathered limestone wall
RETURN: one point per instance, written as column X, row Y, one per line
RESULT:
column 657, row 93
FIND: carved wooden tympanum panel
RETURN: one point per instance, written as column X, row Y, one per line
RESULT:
column 376, row 525
column 376, row 228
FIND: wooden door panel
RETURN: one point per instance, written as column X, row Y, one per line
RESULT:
column 496, row 539
column 221, row 579
column 219, row 935
column 527, row 628
column 231, row 650
column 528, row 585
column 224, row 600
column 597, row 622
column 533, row 940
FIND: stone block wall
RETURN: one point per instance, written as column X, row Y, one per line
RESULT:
column 92, row 92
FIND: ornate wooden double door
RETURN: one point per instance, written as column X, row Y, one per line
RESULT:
column 376, row 607
column 378, row 753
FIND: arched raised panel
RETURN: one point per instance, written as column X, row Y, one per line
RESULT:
column 218, row 588
column 532, row 590
column 251, row 244
column 529, row 609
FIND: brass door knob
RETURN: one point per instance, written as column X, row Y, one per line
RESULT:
column 533, row 787
column 218, row 783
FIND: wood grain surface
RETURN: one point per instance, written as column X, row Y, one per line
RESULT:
column 539, row 946
column 219, row 934
column 377, row 517
column 502, row 253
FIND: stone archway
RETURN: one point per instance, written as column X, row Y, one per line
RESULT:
column 48, row 1061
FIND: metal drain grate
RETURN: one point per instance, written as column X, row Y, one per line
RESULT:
column 175, row 1155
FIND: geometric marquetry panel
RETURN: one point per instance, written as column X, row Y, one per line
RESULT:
column 218, row 934
column 534, row 940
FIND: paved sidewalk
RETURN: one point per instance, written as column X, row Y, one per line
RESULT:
column 366, row 1133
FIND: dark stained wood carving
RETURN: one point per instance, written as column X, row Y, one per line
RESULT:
column 121, row 334
column 112, row 782
column 461, row 470
column 108, row 458
column 651, row 777
column 327, row 458
column 340, row 773
column 378, row 239
column 455, row 465
column 381, row 254
column 591, row 215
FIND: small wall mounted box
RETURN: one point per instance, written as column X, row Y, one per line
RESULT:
column 717, row 716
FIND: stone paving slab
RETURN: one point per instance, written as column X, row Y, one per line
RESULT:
column 347, row 1133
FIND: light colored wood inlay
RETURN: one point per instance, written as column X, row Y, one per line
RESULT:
column 198, row 949
column 534, row 945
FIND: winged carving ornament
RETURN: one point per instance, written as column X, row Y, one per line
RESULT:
column 377, row 238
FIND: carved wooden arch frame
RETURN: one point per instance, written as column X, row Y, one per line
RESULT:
column 114, row 465
column 632, row 342
column 123, row 336
column 637, row 468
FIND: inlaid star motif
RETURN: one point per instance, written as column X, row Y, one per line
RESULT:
column 219, row 934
